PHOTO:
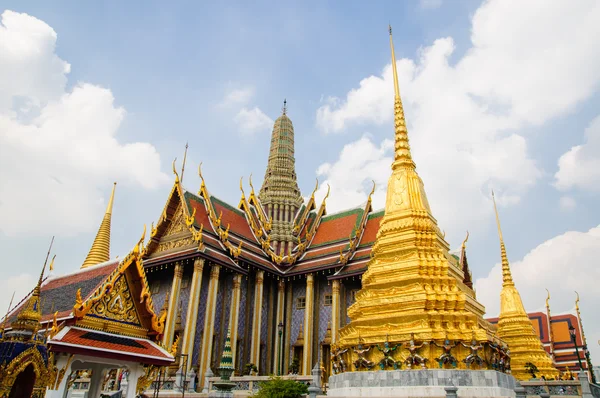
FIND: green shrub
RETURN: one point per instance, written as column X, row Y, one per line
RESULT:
column 277, row 387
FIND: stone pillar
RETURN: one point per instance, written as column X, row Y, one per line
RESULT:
column 315, row 387
column 135, row 372
column 279, row 319
column 586, row 391
column 287, row 213
column 335, row 310
column 209, row 321
column 172, row 310
column 276, row 215
column 257, row 319
column 451, row 392
column 308, row 325
column 98, row 372
column 234, row 316
column 189, row 333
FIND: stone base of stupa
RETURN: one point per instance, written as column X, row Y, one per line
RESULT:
column 422, row 383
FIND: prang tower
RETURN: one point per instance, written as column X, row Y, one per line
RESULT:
column 279, row 194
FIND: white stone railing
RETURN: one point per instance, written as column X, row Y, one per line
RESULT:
column 552, row 387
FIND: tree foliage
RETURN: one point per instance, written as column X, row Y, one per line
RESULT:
column 277, row 387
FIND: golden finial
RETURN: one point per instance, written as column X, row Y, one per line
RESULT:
column 189, row 220
column 443, row 234
column 175, row 171
column 548, row 300
column 138, row 247
column 78, row 299
column 100, row 250
column 153, row 230
column 577, row 301
column 402, row 148
column 327, row 195
column 51, row 267
column 184, row 158
column 464, row 243
column 242, row 187
column 373, row 190
column 506, row 275
column 315, row 190
column 54, row 328
column 200, row 173
column 250, row 181
column 284, row 110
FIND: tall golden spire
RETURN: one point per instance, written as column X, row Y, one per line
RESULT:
column 402, row 156
column 100, row 251
column 549, row 316
column 506, row 275
column 411, row 286
column 514, row 325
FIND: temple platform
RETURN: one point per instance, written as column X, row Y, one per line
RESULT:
column 422, row 383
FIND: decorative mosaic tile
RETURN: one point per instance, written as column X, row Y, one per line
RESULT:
column 201, row 312
column 264, row 326
column 241, row 324
column 298, row 290
column 324, row 310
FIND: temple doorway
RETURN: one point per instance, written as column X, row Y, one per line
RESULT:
column 23, row 386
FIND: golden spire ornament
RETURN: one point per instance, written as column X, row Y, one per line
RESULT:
column 514, row 325
column 412, row 292
column 100, row 251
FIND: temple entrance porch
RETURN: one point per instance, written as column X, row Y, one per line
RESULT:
column 98, row 373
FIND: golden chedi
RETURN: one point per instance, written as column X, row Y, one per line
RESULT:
column 515, row 328
column 413, row 293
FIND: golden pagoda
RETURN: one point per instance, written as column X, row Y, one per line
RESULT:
column 514, row 325
column 413, row 293
column 100, row 251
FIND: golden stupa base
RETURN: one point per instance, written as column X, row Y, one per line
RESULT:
column 422, row 383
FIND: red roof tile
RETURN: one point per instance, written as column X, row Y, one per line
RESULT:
column 336, row 227
column 371, row 229
column 237, row 221
column 109, row 345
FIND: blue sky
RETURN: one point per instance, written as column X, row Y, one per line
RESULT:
column 494, row 97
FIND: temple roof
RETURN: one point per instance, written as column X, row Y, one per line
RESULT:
column 204, row 225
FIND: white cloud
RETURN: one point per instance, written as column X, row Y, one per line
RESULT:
column 430, row 4
column 59, row 149
column 237, row 96
column 563, row 265
column 580, row 166
column 251, row 121
column 20, row 285
column 467, row 121
column 350, row 176
column 567, row 203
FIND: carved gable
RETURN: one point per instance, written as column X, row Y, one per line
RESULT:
column 177, row 224
column 117, row 305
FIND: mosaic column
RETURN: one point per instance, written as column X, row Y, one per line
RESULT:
column 189, row 334
column 335, row 310
column 279, row 319
column 308, row 325
column 172, row 310
column 257, row 318
column 209, row 323
column 234, row 315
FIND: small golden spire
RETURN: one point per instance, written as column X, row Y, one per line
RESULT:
column 100, row 251
column 506, row 275
column 402, row 156
column 184, row 158
column 464, row 243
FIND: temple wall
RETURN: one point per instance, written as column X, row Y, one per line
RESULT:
column 264, row 325
column 324, row 310
column 223, row 306
column 163, row 279
column 240, row 357
column 201, row 312
column 298, row 290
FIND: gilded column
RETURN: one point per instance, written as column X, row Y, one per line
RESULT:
column 189, row 333
column 278, row 320
column 172, row 310
column 257, row 318
column 209, row 322
column 308, row 326
column 335, row 310
column 234, row 316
